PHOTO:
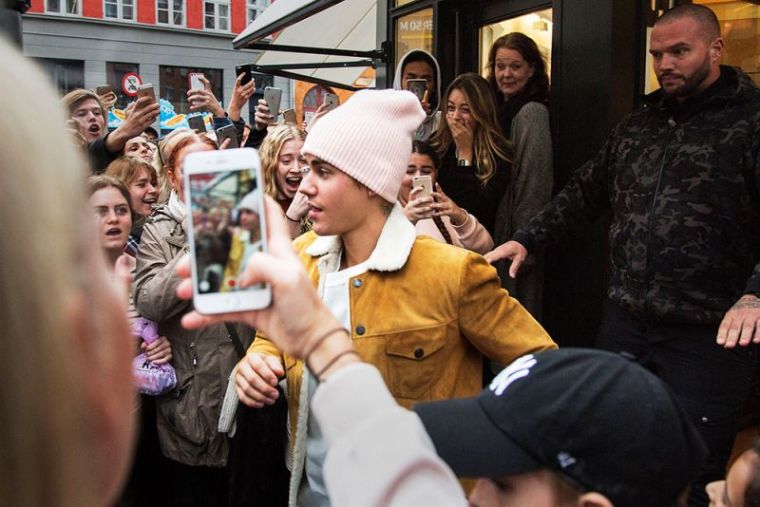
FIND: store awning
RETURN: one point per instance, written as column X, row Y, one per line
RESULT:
column 330, row 42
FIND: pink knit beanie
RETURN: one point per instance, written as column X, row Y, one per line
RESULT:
column 369, row 138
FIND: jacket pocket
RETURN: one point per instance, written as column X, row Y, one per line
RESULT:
column 414, row 361
column 179, row 408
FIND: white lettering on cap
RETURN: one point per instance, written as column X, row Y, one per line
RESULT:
column 519, row 368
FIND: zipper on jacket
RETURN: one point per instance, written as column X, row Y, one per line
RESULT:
column 671, row 124
column 192, row 353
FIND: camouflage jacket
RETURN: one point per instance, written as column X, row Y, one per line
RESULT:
column 681, row 182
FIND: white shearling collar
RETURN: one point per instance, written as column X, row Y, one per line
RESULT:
column 392, row 249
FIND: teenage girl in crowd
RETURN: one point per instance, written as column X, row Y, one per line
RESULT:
column 281, row 164
column 438, row 216
column 475, row 156
column 517, row 76
column 203, row 359
column 142, row 181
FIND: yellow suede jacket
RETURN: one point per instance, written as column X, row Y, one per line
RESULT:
column 425, row 313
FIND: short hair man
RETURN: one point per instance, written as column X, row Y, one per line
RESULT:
column 681, row 178
column 423, row 312
column 87, row 109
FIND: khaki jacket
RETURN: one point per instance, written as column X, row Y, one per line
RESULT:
column 425, row 313
column 203, row 358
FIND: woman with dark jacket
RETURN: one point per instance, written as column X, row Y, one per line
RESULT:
column 475, row 156
column 517, row 76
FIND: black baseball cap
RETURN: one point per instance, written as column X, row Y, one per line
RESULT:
column 603, row 422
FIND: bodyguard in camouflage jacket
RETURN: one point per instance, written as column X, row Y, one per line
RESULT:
column 681, row 177
column 682, row 183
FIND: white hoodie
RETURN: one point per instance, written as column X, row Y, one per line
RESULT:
column 431, row 122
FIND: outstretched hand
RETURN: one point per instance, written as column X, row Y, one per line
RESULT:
column 741, row 324
column 511, row 250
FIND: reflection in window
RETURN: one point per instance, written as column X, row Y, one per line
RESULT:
column 119, row 9
column 536, row 25
column 414, row 31
column 174, row 85
column 216, row 15
column 740, row 27
column 66, row 75
column 170, row 12
column 62, row 6
column 254, row 8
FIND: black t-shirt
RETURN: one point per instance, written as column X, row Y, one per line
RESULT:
column 463, row 187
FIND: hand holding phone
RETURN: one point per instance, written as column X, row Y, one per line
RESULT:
column 225, row 180
column 426, row 182
column 224, row 133
column 194, row 78
column 247, row 74
column 273, row 97
column 197, row 123
column 418, row 87
column 289, row 115
column 331, row 100
column 146, row 90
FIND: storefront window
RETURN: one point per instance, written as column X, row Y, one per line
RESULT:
column 115, row 73
column 740, row 28
column 414, row 31
column 174, row 85
column 536, row 25
column 66, row 75
column 399, row 3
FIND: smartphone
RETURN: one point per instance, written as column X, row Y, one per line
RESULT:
column 426, row 182
column 103, row 90
column 246, row 71
column 197, row 123
column 194, row 78
column 146, row 90
column 226, row 183
column 417, row 87
column 289, row 115
column 273, row 97
column 227, row 132
column 332, row 100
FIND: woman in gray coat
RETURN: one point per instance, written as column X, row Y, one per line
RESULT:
column 517, row 75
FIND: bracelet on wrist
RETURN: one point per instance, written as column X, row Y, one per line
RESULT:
column 332, row 362
column 291, row 219
column 319, row 340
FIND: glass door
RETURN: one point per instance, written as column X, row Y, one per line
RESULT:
column 537, row 25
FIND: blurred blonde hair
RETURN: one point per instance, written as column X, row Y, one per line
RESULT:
column 48, row 452
column 270, row 153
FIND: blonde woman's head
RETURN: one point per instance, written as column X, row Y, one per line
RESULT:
column 281, row 160
column 66, row 392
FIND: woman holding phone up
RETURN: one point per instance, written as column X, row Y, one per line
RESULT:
column 517, row 76
column 436, row 215
column 475, row 156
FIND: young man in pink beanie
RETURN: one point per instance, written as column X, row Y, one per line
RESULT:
column 423, row 312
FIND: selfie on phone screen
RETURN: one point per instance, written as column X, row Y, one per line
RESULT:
column 226, row 218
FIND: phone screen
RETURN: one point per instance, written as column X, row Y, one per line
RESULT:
column 226, row 221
